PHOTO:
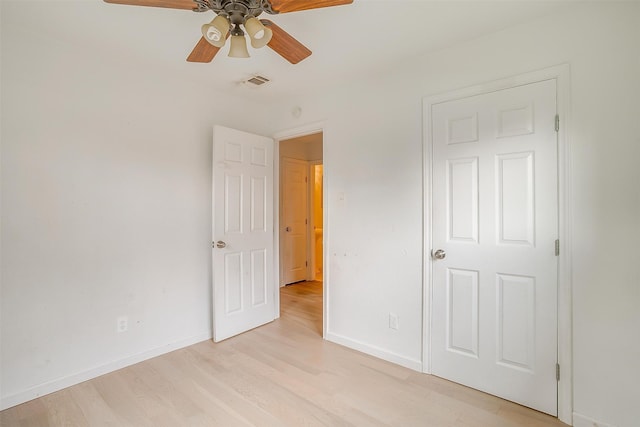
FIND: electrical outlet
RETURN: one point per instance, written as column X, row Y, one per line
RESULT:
column 123, row 323
column 393, row 321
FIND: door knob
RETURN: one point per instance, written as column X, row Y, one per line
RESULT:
column 220, row 244
column 439, row 254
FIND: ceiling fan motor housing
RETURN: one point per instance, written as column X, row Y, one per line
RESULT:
column 237, row 11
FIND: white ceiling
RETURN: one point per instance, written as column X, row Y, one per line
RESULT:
column 365, row 37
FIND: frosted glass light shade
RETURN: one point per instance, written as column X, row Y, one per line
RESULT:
column 216, row 31
column 261, row 42
column 238, row 47
column 259, row 34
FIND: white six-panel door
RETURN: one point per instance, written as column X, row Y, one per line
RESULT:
column 243, row 280
column 495, row 215
column 295, row 175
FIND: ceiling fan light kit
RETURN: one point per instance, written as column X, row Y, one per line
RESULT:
column 263, row 41
column 232, row 14
column 238, row 47
column 259, row 34
column 216, row 31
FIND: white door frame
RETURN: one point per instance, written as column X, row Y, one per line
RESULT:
column 561, row 74
column 280, row 136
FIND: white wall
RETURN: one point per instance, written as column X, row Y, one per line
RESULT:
column 374, row 249
column 106, row 209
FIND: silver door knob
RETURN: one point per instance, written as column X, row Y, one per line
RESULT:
column 220, row 244
column 439, row 254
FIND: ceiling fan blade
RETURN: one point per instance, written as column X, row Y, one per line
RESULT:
column 171, row 4
column 283, row 6
column 203, row 52
column 285, row 45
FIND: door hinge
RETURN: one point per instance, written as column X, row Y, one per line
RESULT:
column 557, row 372
column 557, row 247
column 306, row 263
column 557, row 123
column 306, row 221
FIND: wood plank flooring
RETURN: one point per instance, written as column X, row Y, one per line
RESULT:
column 282, row 374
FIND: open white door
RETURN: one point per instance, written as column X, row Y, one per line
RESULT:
column 494, row 228
column 243, row 280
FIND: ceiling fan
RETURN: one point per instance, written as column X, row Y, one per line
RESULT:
column 232, row 16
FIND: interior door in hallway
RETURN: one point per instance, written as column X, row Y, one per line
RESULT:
column 495, row 221
column 295, row 178
column 243, row 279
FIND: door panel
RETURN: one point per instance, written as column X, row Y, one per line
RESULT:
column 516, row 187
column 295, row 219
column 242, row 219
column 495, row 214
column 259, row 277
column 516, row 321
column 233, row 203
column 462, row 196
column 462, row 311
column 233, row 283
column 258, row 204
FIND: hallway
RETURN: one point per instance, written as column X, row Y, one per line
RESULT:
column 302, row 303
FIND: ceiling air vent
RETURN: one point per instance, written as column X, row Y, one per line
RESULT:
column 257, row 80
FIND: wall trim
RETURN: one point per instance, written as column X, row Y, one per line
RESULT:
column 583, row 421
column 77, row 378
column 561, row 73
column 372, row 350
column 303, row 130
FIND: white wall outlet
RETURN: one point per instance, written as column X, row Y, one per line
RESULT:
column 123, row 323
column 393, row 321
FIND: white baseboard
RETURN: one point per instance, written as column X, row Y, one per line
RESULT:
column 60, row 383
column 582, row 421
column 378, row 352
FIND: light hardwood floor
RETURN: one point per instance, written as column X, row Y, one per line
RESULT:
column 282, row 374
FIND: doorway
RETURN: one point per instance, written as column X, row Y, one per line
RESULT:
column 301, row 231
